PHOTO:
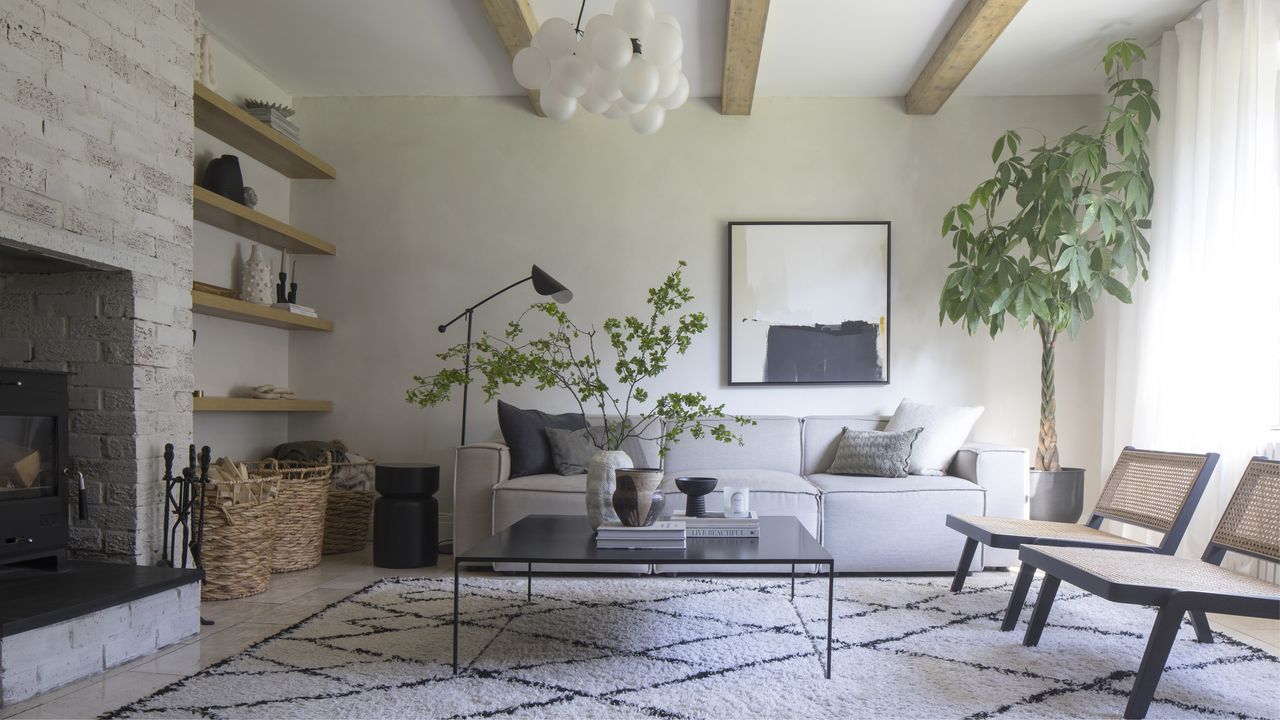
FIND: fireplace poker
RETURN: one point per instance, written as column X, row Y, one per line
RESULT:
column 168, row 499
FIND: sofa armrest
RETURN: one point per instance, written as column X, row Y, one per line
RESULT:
column 478, row 467
column 1002, row 470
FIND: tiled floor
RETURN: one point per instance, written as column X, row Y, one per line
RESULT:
column 293, row 597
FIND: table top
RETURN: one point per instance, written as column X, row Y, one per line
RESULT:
column 569, row 539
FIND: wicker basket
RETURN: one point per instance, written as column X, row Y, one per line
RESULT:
column 300, row 511
column 346, row 522
column 239, row 530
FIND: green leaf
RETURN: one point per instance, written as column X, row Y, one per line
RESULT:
column 999, row 148
column 1117, row 288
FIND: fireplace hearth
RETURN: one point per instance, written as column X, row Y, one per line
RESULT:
column 34, row 467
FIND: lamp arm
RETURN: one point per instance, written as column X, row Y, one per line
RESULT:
column 471, row 309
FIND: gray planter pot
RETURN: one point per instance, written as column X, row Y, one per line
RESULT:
column 1057, row 495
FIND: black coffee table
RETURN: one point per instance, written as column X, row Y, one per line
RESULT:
column 569, row 539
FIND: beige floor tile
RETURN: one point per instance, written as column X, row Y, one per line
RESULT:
column 101, row 696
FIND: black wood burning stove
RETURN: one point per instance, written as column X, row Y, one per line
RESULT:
column 34, row 467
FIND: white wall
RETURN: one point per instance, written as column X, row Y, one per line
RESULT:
column 440, row 201
column 231, row 355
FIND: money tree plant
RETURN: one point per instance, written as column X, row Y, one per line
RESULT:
column 1055, row 227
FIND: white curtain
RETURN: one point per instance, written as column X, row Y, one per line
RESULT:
column 1194, row 363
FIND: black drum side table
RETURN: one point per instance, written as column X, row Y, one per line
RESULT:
column 406, row 515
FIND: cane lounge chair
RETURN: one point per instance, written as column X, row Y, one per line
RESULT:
column 1155, row 490
column 1249, row 526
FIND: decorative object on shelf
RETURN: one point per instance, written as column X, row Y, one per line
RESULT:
column 636, row 498
column 222, row 176
column 543, row 284
column 250, row 197
column 809, row 303
column 293, row 283
column 568, row 357
column 275, row 116
column 737, row 502
column 282, row 287
column 695, row 490
column 626, row 65
column 1070, row 232
column 255, row 279
column 252, row 104
column 296, row 309
column 271, row 392
column 213, row 289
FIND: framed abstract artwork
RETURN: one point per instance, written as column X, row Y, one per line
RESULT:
column 809, row 303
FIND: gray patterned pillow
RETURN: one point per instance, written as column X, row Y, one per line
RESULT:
column 868, row 452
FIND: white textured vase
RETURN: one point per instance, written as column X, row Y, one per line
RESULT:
column 601, row 483
column 256, row 283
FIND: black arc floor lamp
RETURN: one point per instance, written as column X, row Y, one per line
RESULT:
column 543, row 283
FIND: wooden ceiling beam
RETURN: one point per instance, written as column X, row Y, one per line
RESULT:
column 743, row 39
column 513, row 21
column 972, row 34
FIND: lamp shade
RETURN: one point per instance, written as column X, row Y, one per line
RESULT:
column 544, row 284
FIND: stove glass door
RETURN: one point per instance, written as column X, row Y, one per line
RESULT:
column 27, row 457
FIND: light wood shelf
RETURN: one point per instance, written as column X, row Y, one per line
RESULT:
column 205, row 303
column 237, row 404
column 220, row 118
column 210, row 207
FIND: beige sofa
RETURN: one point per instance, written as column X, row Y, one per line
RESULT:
column 869, row 524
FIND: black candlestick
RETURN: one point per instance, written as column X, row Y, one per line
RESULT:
column 293, row 292
column 280, row 286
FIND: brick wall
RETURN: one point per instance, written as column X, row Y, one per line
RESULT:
column 96, row 165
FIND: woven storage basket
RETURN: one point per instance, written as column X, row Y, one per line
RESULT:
column 300, row 510
column 239, row 530
column 346, row 523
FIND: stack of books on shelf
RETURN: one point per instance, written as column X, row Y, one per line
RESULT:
column 296, row 309
column 662, row 535
column 716, row 525
column 277, row 120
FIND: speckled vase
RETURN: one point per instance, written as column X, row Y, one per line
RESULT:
column 256, row 283
column 637, row 499
column 601, row 484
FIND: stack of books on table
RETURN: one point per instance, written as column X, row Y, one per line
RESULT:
column 662, row 535
column 716, row 525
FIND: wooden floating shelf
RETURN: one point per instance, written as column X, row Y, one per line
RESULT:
column 220, row 118
column 210, row 207
column 232, row 309
column 237, row 404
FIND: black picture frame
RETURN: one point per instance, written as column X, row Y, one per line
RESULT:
column 732, row 321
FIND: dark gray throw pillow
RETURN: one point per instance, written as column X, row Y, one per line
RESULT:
column 868, row 452
column 525, row 434
column 571, row 450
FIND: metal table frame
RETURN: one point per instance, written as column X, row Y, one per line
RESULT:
column 706, row 551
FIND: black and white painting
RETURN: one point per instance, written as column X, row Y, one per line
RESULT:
column 808, row 303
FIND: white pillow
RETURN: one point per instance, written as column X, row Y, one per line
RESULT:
column 945, row 430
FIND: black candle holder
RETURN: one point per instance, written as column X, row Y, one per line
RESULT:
column 696, row 488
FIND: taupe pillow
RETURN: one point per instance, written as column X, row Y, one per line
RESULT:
column 571, row 450
column 868, row 452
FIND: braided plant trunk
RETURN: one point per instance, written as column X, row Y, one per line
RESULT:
column 1047, row 444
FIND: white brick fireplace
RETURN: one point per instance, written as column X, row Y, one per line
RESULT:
column 96, row 168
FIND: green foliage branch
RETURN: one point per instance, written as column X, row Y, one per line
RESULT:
column 569, row 356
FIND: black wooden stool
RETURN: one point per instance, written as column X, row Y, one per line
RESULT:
column 406, row 515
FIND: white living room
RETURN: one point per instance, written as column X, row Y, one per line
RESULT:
column 639, row 358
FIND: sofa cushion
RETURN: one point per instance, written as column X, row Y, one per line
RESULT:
column 822, row 436
column 758, row 481
column 546, row 482
column 870, row 452
column 912, row 483
column 773, row 443
column 525, row 434
column 945, row 430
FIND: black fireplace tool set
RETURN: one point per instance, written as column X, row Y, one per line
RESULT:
column 184, row 504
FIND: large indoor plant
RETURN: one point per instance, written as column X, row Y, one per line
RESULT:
column 1053, row 229
column 568, row 356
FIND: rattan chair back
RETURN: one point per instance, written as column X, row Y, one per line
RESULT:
column 1251, row 522
column 1156, row 490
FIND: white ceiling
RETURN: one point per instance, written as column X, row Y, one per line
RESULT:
column 812, row 48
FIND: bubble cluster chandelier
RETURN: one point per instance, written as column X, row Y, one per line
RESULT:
column 624, row 65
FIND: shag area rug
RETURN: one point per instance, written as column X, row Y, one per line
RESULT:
column 719, row 647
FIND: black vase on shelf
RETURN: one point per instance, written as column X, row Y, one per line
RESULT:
column 222, row 176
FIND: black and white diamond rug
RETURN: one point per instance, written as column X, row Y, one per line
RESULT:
column 712, row 647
